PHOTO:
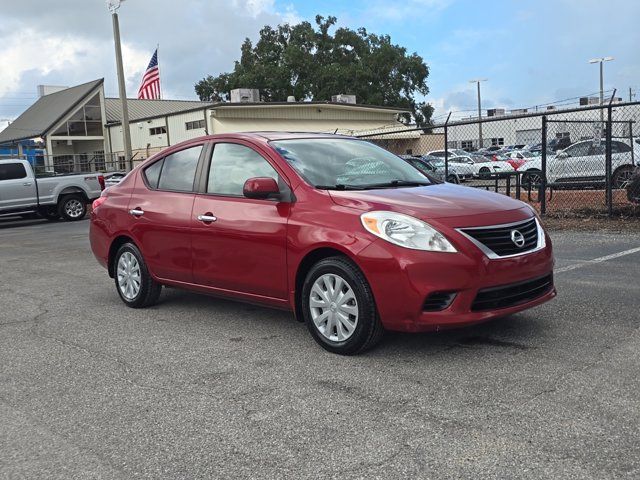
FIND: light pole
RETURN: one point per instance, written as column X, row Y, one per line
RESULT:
column 477, row 81
column 601, row 62
column 113, row 6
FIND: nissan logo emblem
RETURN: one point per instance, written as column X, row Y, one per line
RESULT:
column 517, row 238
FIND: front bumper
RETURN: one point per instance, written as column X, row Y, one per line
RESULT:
column 402, row 279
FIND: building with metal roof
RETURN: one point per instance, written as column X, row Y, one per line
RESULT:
column 79, row 128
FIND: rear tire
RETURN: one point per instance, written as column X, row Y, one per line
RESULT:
column 339, row 308
column 134, row 283
column 72, row 207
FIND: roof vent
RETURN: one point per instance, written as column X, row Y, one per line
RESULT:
column 245, row 95
column 342, row 98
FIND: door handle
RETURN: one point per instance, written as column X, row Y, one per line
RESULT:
column 136, row 212
column 207, row 218
column 27, row 184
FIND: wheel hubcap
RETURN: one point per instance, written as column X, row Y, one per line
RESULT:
column 73, row 208
column 129, row 275
column 334, row 309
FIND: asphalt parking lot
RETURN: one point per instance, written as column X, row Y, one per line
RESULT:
column 197, row 387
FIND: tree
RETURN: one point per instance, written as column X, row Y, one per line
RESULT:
column 311, row 64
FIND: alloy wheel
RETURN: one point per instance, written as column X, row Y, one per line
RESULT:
column 73, row 208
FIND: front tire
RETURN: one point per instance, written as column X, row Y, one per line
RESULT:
column 531, row 179
column 339, row 308
column 134, row 283
column 453, row 179
column 72, row 207
column 622, row 177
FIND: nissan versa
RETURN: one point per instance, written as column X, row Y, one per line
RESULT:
column 347, row 235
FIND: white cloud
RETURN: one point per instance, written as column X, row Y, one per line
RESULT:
column 72, row 43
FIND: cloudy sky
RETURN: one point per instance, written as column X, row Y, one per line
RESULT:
column 532, row 51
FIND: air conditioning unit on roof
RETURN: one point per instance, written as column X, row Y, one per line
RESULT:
column 342, row 98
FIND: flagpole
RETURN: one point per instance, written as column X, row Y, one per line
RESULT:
column 157, row 58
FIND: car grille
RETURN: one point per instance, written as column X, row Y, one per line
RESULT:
column 438, row 301
column 510, row 295
column 498, row 240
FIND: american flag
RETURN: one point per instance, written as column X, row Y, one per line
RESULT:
column 150, row 86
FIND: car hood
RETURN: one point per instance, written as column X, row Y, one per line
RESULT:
column 429, row 202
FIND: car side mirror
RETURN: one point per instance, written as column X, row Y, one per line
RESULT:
column 260, row 188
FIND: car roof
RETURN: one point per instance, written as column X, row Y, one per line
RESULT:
column 274, row 135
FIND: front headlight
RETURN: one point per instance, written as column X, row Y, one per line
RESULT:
column 405, row 231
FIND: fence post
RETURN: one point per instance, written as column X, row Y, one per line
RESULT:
column 543, row 180
column 446, row 148
column 607, row 160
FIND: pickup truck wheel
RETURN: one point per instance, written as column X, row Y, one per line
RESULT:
column 339, row 308
column 72, row 207
column 133, row 282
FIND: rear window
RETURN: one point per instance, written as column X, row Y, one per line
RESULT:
column 12, row 171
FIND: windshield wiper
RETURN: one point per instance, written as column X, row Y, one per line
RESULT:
column 397, row 183
column 340, row 186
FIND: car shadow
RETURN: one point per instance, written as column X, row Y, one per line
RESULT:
column 516, row 333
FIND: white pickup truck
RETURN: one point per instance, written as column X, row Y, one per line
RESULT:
column 55, row 196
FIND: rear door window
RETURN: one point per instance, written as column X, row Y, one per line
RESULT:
column 178, row 170
column 152, row 174
column 12, row 171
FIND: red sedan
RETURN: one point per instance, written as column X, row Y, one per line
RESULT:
column 343, row 233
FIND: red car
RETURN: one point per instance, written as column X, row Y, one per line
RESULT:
column 343, row 233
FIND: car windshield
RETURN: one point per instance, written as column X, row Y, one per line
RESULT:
column 480, row 159
column 344, row 163
column 527, row 154
column 459, row 152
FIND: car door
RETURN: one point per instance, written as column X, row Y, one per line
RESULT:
column 239, row 244
column 160, row 208
column 17, row 189
column 569, row 164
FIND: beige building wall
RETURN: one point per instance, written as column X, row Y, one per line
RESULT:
column 295, row 117
column 415, row 146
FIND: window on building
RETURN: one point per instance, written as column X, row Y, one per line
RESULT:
column 562, row 135
column 63, row 164
column 465, row 144
column 157, row 130
column 179, row 170
column 98, row 160
column 194, row 125
column 497, row 142
column 86, row 121
column 232, row 165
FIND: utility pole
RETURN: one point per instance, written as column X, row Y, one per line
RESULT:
column 114, row 5
column 477, row 81
column 631, row 95
column 601, row 62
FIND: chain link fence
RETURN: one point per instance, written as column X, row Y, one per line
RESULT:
column 581, row 161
